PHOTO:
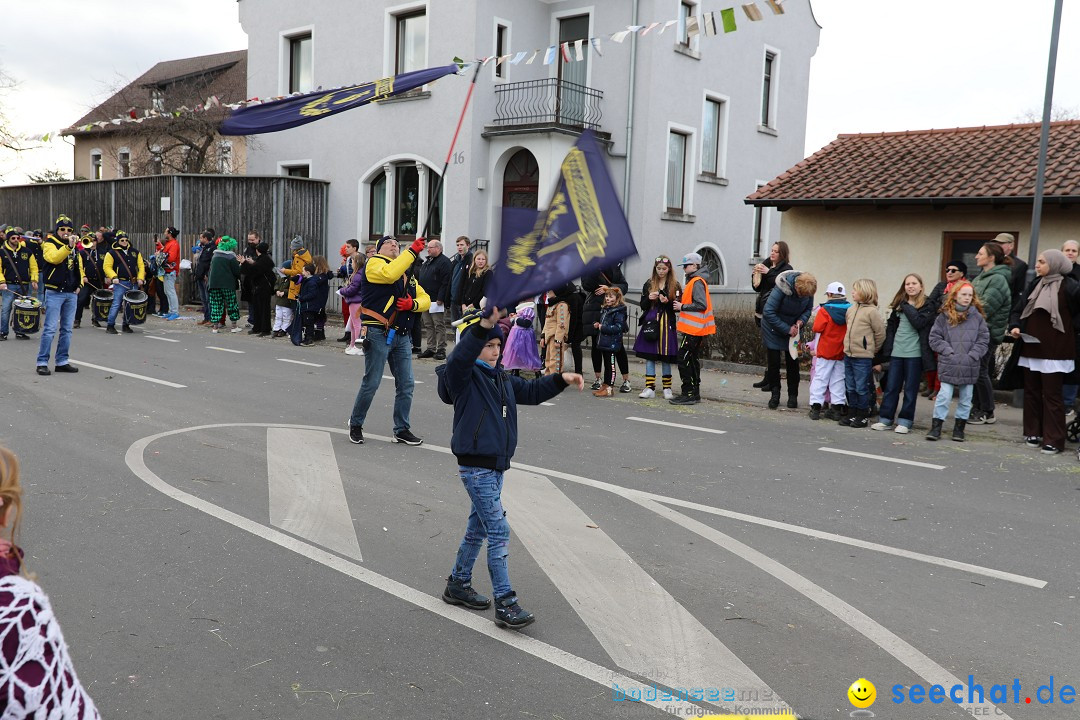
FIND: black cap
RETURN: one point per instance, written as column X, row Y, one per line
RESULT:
column 959, row 265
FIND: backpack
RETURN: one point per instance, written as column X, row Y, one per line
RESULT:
column 443, row 387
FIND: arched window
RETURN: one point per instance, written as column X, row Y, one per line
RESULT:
column 713, row 267
column 521, row 181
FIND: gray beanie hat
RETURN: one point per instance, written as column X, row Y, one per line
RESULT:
column 297, row 243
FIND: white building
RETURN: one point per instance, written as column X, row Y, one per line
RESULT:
column 710, row 117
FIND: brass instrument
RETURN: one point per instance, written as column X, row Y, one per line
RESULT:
column 87, row 242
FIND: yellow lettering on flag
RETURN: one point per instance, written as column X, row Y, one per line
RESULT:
column 591, row 237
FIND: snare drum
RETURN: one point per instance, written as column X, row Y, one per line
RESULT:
column 101, row 303
column 27, row 316
column 136, row 301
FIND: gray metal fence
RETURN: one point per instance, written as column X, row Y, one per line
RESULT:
column 278, row 208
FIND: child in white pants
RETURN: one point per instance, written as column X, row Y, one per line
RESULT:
column 828, row 372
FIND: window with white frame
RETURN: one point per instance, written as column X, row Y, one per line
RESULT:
column 95, row 164
column 411, row 41
column 409, row 205
column 301, row 63
column 302, row 171
column 686, row 11
column 225, row 157
column 712, row 266
column 501, row 35
column 123, row 162
column 714, row 137
column 675, row 192
column 768, row 89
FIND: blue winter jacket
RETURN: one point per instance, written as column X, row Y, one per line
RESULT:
column 485, row 403
column 612, row 326
column 314, row 291
column 783, row 309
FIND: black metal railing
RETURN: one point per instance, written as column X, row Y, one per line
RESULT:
column 547, row 102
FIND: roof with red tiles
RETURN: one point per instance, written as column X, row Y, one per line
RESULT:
column 976, row 165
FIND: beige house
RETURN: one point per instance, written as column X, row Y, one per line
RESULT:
column 888, row 204
column 164, row 141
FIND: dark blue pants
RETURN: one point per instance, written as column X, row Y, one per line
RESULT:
column 904, row 373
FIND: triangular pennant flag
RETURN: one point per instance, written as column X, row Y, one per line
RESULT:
column 116, row 121
column 634, row 28
column 565, row 48
column 45, row 137
column 650, row 27
column 577, row 50
column 532, row 57
column 692, row 26
column 752, row 12
column 519, row 57
column 549, row 56
column 777, row 8
column 708, row 23
column 502, row 59
column 595, row 42
column 620, row 36
column 668, row 24
column 728, row 17
column 486, row 60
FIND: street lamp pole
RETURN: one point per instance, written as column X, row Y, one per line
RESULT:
column 1044, row 142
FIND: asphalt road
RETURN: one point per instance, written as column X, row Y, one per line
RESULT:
column 202, row 564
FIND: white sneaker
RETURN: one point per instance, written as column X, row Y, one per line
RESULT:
column 901, row 429
column 354, row 350
column 236, row 329
column 880, row 426
column 668, row 394
column 215, row 330
column 647, row 393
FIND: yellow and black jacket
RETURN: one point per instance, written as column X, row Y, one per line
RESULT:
column 63, row 266
column 18, row 266
column 121, row 264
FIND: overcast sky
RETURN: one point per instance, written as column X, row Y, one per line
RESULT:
column 879, row 66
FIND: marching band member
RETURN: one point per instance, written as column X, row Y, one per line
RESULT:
column 92, row 258
column 18, row 272
column 63, row 277
column 124, row 270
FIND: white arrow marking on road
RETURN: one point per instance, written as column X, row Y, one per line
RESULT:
column 300, row 362
column 166, row 383
column 881, row 457
column 641, row 626
column 677, row 425
column 215, row 347
column 307, row 497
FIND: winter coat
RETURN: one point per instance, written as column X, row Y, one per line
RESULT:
column 666, row 347
column 865, row 331
column 766, row 285
column 459, row 271
column 260, row 274
column 831, row 322
column 922, row 319
column 1054, row 345
column 474, row 288
column 434, row 276
column 350, row 293
column 960, row 348
column 314, row 291
column 993, row 289
column 590, row 309
column 612, row 326
column 202, row 263
column 224, row 271
column 247, row 280
column 485, row 403
column 296, row 269
column 783, row 309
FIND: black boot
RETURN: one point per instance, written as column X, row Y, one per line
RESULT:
column 462, row 593
column 860, row 420
column 815, row 411
column 347, row 337
column 508, row 614
column 774, row 401
column 792, row 401
column 849, row 416
column 762, row 383
column 958, row 430
column 935, row 429
column 319, row 335
column 836, row 412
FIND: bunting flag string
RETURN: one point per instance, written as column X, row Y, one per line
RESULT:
column 707, row 25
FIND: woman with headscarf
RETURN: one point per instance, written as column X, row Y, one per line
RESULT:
column 1045, row 312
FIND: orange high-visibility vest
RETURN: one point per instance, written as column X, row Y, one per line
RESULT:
column 694, row 322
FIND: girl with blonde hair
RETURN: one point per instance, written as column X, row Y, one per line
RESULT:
column 863, row 339
column 907, row 346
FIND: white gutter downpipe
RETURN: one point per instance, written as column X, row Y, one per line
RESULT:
column 630, row 110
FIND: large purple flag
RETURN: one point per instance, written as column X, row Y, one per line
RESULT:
column 582, row 230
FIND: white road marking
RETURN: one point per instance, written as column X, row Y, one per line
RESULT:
column 391, row 377
column 307, row 497
column 678, row 425
column 547, row 404
column 798, row 529
column 640, row 625
column 883, row 458
column 903, row 651
column 158, row 337
column 300, row 362
column 230, row 350
column 166, row 383
column 480, row 623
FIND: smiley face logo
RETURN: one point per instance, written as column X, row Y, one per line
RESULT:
column 862, row 693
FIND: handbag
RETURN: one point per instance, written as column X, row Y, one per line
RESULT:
column 1011, row 376
column 650, row 329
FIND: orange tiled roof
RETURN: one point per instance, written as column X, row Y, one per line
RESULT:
column 932, row 167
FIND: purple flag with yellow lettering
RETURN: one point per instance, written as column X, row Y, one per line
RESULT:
column 582, row 230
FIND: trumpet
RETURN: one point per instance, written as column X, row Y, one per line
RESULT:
column 86, row 242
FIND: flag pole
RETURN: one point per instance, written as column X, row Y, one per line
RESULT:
column 450, row 152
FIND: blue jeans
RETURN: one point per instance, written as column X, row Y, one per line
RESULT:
column 399, row 355
column 170, row 293
column 8, row 299
column 1069, row 394
column 944, row 398
column 118, row 290
column 859, row 381
column 906, row 373
column 486, row 520
column 650, row 368
column 204, row 293
column 59, row 314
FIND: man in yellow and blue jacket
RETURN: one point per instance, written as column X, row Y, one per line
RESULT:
column 63, row 277
column 124, row 270
column 18, row 275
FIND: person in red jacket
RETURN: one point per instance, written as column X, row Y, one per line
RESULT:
column 828, row 371
column 171, row 268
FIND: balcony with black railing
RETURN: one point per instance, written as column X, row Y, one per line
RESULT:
column 544, row 105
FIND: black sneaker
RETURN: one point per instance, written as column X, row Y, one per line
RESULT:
column 111, row 330
column 127, row 329
column 426, row 354
column 685, row 400
column 989, row 418
column 21, row 336
column 95, row 323
column 406, row 436
column 977, row 418
column 65, row 369
column 440, row 354
column 626, row 387
column 43, row 370
column 508, row 614
column 462, row 593
column 3, row 337
column 356, row 434
column 1049, row 450
column 596, row 384
column 1033, row 441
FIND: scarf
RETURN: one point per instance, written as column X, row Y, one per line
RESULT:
column 1044, row 296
